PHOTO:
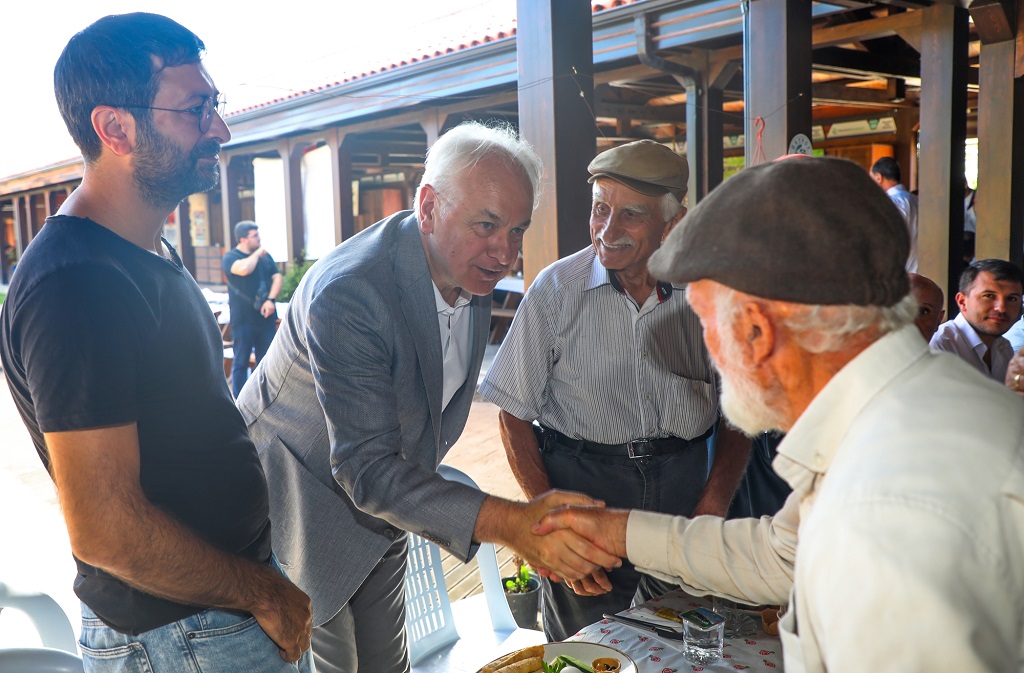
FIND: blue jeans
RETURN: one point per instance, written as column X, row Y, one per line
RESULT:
column 247, row 338
column 212, row 641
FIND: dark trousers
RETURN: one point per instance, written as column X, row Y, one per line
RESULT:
column 670, row 483
column 247, row 338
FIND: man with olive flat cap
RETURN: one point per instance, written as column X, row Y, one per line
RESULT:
column 604, row 383
column 910, row 521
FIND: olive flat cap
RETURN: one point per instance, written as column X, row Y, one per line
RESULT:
column 814, row 231
column 644, row 166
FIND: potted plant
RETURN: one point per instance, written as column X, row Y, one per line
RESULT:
column 522, row 591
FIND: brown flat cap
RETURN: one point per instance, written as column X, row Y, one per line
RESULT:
column 814, row 231
column 644, row 166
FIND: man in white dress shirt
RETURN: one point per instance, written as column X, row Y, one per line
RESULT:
column 989, row 301
column 910, row 520
column 886, row 174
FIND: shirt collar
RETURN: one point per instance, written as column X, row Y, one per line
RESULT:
column 443, row 307
column 809, row 448
column 965, row 328
column 601, row 276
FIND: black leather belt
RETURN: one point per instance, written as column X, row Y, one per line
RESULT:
column 637, row 448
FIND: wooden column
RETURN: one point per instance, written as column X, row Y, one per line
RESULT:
column 776, row 75
column 230, row 204
column 433, row 124
column 944, row 65
column 906, row 144
column 20, row 239
column 556, row 98
column 341, row 185
column 295, row 222
column 999, row 200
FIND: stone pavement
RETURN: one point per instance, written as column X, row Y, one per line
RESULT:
column 34, row 549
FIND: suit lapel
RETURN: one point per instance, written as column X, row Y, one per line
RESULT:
column 419, row 308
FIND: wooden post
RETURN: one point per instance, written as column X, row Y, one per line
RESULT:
column 996, row 176
column 556, row 98
column 341, row 185
column 944, row 65
column 230, row 204
column 295, row 220
column 776, row 75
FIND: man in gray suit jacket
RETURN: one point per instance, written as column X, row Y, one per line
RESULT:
column 368, row 384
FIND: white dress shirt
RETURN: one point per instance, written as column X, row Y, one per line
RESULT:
column 956, row 336
column 908, row 207
column 908, row 478
column 455, row 342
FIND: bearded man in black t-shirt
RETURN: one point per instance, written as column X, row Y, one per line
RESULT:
column 114, row 361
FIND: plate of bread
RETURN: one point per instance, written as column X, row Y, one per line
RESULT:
column 570, row 657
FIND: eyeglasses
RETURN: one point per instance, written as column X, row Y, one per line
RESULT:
column 202, row 112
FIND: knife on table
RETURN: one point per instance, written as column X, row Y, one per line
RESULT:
column 665, row 632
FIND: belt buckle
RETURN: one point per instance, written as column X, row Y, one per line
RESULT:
column 634, row 442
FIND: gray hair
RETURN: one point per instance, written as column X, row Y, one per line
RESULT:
column 463, row 147
column 670, row 207
column 825, row 329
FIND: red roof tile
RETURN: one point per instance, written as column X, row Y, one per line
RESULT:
column 501, row 28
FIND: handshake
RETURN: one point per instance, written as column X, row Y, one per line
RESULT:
column 565, row 536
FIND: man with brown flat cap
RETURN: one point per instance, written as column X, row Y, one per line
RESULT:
column 910, row 521
column 610, row 365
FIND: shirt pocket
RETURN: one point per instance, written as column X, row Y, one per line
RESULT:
column 794, row 656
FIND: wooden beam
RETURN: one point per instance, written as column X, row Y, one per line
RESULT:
column 556, row 96
column 886, row 26
column 642, row 113
column 828, row 92
column 944, row 66
column 993, row 21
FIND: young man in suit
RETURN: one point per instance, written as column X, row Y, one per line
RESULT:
column 369, row 383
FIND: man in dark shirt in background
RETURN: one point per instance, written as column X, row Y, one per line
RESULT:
column 114, row 361
column 254, row 282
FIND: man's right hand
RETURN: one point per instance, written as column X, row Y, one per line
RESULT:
column 562, row 554
column 285, row 613
column 605, row 528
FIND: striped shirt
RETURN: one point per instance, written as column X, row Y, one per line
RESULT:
column 582, row 358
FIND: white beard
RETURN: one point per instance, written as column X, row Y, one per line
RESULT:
column 748, row 407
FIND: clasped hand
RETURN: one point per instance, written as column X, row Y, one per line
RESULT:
column 568, row 540
column 603, row 528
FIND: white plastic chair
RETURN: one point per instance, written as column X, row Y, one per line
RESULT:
column 428, row 613
column 39, row 660
column 59, row 653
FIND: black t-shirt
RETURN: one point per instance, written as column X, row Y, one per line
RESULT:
column 243, row 290
column 96, row 331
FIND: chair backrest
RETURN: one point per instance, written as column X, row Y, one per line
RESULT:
column 39, row 660
column 428, row 612
column 487, row 561
column 429, row 624
column 47, row 617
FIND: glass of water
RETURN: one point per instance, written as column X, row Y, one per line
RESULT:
column 703, row 636
column 738, row 624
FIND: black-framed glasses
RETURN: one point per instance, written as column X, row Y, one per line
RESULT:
column 202, row 112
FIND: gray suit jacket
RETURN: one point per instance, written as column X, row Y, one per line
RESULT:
column 345, row 410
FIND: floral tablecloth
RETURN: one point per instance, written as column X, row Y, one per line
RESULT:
column 759, row 652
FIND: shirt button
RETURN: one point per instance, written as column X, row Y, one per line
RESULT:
column 389, row 533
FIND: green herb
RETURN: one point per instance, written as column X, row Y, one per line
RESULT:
column 519, row 584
